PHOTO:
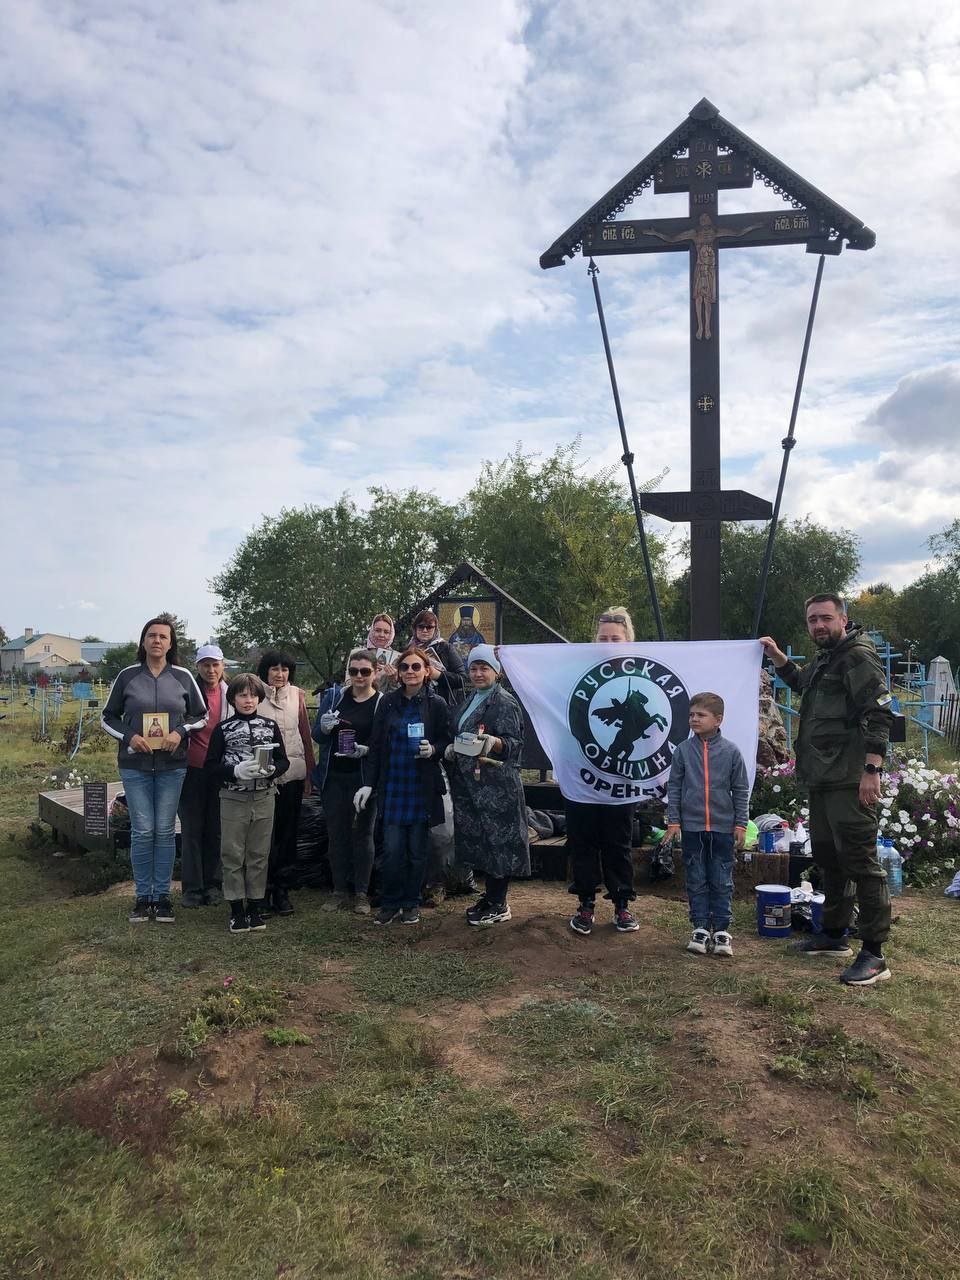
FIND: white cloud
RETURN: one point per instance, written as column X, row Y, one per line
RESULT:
column 257, row 256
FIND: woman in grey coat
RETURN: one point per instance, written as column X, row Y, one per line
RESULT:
column 489, row 813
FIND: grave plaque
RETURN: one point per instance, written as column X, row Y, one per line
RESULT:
column 702, row 157
column 96, row 813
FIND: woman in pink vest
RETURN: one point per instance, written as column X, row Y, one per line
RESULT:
column 286, row 704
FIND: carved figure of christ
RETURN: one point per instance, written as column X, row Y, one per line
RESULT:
column 704, row 286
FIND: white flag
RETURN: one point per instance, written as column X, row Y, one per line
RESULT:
column 610, row 716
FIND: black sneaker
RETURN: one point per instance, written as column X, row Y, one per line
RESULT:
column 625, row 920
column 387, row 915
column 866, row 970
column 238, row 918
column 255, row 918
column 493, row 913
column 820, row 944
column 282, row 906
column 163, row 911
column 474, row 913
column 142, row 911
column 582, row 922
column 189, row 900
column 410, row 915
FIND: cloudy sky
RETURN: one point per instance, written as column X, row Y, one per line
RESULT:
column 258, row 255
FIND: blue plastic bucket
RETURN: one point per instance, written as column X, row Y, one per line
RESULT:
column 773, row 910
column 816, row 912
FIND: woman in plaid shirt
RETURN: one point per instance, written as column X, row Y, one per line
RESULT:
column 411, row 731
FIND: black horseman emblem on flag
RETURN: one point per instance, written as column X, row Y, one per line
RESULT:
column 628, row 715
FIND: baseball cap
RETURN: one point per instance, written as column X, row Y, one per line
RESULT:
column 210, row 651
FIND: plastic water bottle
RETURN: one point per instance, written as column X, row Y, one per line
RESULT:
column 892, row 863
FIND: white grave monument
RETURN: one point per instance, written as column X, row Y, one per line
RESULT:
column 943, row 687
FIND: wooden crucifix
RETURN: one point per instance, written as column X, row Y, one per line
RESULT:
column 703, row 157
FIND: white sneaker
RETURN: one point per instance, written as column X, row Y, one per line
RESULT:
column 699, row 941
column 722, row 943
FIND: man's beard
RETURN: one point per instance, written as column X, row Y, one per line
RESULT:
column 827, row 641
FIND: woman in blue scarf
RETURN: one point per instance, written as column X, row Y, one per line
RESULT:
column 490, row 822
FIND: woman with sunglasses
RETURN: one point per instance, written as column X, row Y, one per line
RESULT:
column 490, row 815
column 600, row 836
column 411, row 731
column 342, row 731
column 445, row 663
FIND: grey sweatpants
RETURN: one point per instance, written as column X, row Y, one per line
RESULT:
column 246, row 825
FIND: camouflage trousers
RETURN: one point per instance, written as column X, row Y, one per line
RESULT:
column 843, row 837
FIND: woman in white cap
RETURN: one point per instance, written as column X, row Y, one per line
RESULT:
column 199, row 808
column 490, row 821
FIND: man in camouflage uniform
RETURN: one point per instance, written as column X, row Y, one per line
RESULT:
column 845, row 720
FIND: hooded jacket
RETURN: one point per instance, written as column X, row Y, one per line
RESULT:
column 708, row 789
column 844, row 711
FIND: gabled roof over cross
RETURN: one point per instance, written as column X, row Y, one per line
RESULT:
column 772, row 172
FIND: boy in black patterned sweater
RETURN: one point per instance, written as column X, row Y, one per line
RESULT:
column 246, row 800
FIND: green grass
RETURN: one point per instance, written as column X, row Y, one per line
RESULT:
column 319, row 1101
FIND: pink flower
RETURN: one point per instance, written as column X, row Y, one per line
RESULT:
column 228, row 982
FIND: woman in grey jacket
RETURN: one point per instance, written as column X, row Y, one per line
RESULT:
column 152, row 708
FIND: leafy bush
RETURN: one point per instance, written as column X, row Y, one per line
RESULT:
column 920, row 812
column 777, row 790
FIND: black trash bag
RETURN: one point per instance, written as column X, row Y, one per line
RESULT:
column 661, row 862
column 312, row 867
column 441, row 869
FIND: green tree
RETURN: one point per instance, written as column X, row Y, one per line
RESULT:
column 876, row 608
column 928, row 610
column 561, row 541
column 115, row 659
column 4, row 638
column 807, row 558
column 412, row 541
column 92, row 640
column 313, row 578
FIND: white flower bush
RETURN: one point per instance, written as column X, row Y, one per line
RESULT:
column 926, row 828
column 919, row 810
column 66, row 781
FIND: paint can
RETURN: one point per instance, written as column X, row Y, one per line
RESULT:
column 773, row 910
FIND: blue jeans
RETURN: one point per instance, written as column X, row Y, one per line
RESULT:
column 404, row 865
column 152, row 799
column 708, row 859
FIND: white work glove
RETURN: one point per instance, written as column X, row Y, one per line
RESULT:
column 329, row 721
column 488, row 744
column 361, row 798
column 268, row 771
column 426, row 750
column 246, row 771
column 449, row 753
column 359, row 749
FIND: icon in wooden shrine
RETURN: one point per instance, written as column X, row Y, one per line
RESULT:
column 702, row 157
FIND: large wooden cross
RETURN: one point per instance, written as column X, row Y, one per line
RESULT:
column 713, row 162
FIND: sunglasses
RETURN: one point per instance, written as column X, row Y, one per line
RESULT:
column 360, row 671
column 411, row 666
column 425, row 626
column 613, row 617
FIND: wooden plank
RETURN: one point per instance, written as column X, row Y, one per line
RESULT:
column 63, row 811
